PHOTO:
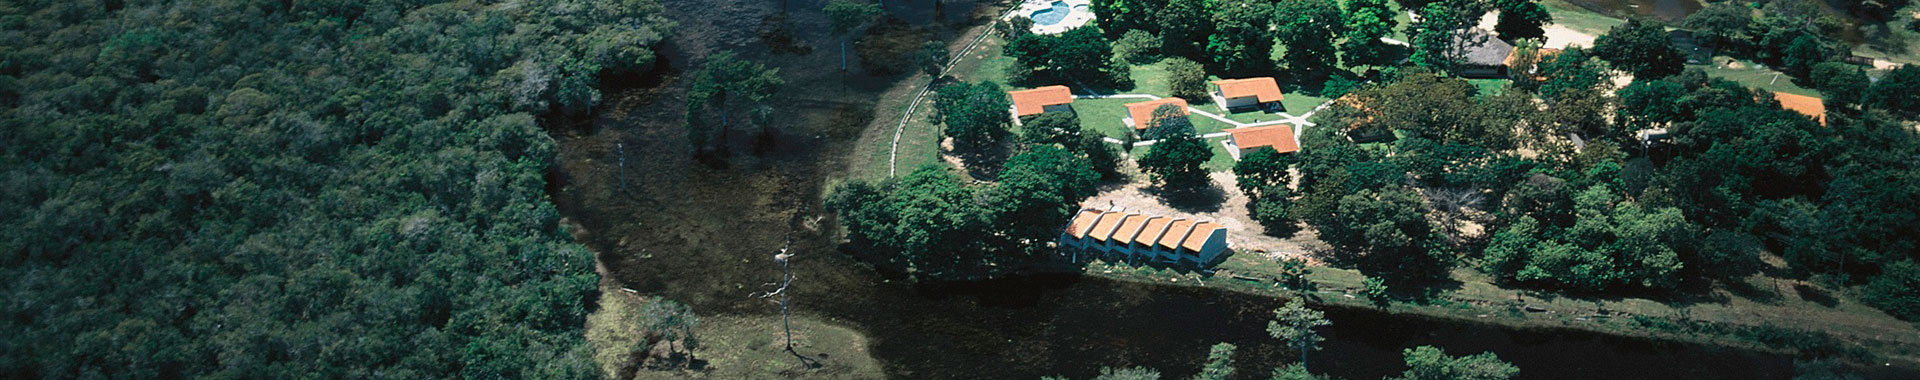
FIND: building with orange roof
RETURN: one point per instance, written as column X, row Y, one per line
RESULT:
column 1811, row 106
column 1280, row 138
column 1140, row 115
column 1134, row 237
column 1040, row 100
column 1261, row 93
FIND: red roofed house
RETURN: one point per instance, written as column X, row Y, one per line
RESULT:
column 1811, row 106
column 1040, row 100
column 1140, row 115
column 1259, row 93
column 1247, row 140
column 1137, row 236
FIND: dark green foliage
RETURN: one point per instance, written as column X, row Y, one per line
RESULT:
column 1137, row 47
column 1650, row 104
column 1721, row 25
column 1896, row 290
column 975, row 114
column 1521, row 19
column 1081, row 53
column 1184, row 27
column 268, row 190
column 931, row 222
column 724, row 87
column 1174, row 161
column 1898, row 91
column 1434, row 35
column 1611, row 243
column 1123, row 16
column 1367, row 21
column 931, row 58
column 1038, row 191
column 1387, row 232
column 1843, row 85
column 1804, row 52
column 1063, row 129
column 1640, row 48
column 1242, row 39
column 1135, row 373
column 1430, row 363
column 1219, row 364
column 1295, row 371
column 1187, row 80
column 1308, row 28
column 1294, row 324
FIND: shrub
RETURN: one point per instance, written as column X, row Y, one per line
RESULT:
column 1138, row 47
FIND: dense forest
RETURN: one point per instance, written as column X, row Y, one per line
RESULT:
column 311, row 189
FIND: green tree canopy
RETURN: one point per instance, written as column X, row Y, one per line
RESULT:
column 975, row 114
column 1640, row 48
column 1367, row 21
column 1430, row 363
column 1308, row 29
column 1174, row 162
column 1242, row 39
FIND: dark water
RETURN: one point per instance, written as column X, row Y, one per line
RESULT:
column 1070, row 325
column 1671, row 12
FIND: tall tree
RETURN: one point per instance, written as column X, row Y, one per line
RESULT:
column 1521, row 19
column 1640, row 48
column 1037, row 191
column 1721, row 25
column 1185, row 25
column 929, row 220
column 975, row 114
column 1186, row 79
column 1242, row 39
column 1438, row 33
column 1367, row 22
column 1174, row 162
column 725, row 85
column 1294, row 323
column 1308, row 29
column 1121, row 16
column 847, row 15
column 1168, row 120
column 1219, row 364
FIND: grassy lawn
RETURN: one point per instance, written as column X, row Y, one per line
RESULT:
column 1151, row 79
column 1899, row 45
column 1755, row 75
column 1490, row 86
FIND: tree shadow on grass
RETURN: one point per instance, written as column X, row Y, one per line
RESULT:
column 1815, row 295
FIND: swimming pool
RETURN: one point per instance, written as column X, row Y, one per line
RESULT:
column 1053, row 14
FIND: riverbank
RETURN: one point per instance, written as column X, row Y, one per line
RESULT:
column 1854, row 332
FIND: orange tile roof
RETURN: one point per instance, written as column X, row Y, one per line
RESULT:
column 1263, row 89
column 1082, row 223
column 1129, row 227
column 1108, row 222
column 1142, row 112
column 1156, row 226
column 1175, row 232
column 1280, row 137
column 1035, row 101
column 1811, row 106
column 1201, row 232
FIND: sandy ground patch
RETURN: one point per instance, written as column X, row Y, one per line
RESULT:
column 1560, row 37
column 1244, row 235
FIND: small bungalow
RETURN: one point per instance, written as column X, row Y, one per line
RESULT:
column 1140, row 115
column 1811, row 106
column 1136, row 237
column 1040, row 100
column 1481, row 55
column 1280, row 138
column 1239, row 94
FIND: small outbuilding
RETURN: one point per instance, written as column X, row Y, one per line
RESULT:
column 1140, row 115
column 1279, row 137
column 1261, row 93
column 1481, row 54
column 1040, row 100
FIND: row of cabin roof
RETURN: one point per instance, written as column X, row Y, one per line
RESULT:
column 1229, row 94
column 1145, row 237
